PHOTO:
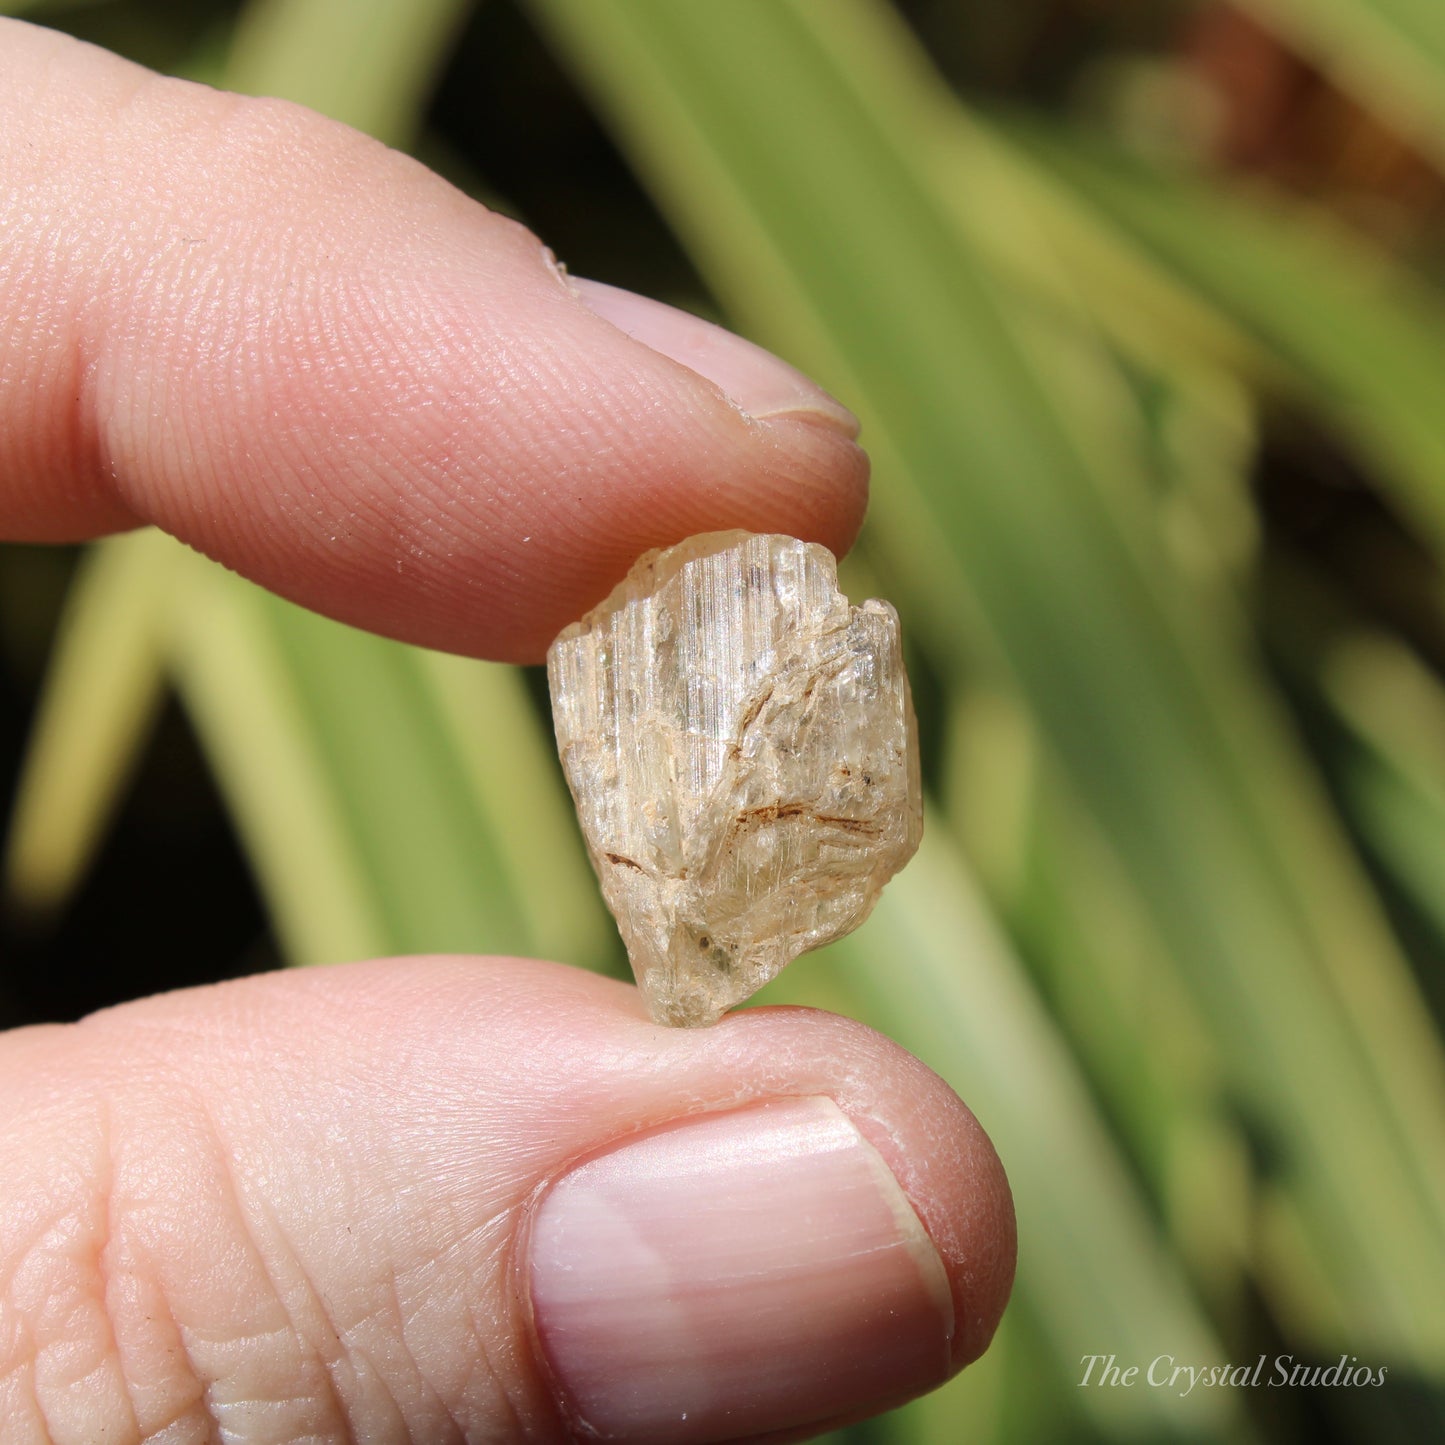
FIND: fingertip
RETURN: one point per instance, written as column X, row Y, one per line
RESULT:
column 759, row 384
column 931, row 1141
column 325, row 367
column 806, row 481
column 797, row 1259
column 732, row 1274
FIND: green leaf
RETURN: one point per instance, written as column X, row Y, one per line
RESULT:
column 1394, row 776
column 235, row 680
column 515, row 783
column 433, row 866
column 358, row 807
column 1363, row 340
column 102, row 691
column 369, row 63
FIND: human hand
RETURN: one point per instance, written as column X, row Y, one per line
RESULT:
column 425, row 1199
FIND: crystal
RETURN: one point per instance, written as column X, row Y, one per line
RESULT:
column 741, row 747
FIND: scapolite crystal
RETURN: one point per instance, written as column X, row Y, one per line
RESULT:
column 741, row 747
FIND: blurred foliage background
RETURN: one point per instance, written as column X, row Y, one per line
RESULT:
column 1141, row 306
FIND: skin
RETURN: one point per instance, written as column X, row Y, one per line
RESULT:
column 308, row 357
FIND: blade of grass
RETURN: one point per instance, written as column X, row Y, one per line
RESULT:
column 1364, row 340
column 1403, row 816
column 370, row 63
column 1109, row 980
column 817, row 217
column 516, row 785
column 101, row 694
column 1352, row 326
column 1377, row 715
column 358, row 811
column 434, row 867
column 1393, row 710
column 251, row 720
column 1034, row 232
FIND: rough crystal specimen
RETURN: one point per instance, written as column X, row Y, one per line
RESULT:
column 741, row 746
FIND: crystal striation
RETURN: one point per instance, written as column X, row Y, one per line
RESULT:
column 741, row 747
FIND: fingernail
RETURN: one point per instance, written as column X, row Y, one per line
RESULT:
column 736, row 1274
column 753, row 379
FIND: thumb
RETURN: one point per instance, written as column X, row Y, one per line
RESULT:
column 479, row 1199
column 314, row 360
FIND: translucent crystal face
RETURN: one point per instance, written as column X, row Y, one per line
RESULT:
column 741, row 746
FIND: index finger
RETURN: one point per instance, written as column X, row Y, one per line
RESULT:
column 317, row 362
